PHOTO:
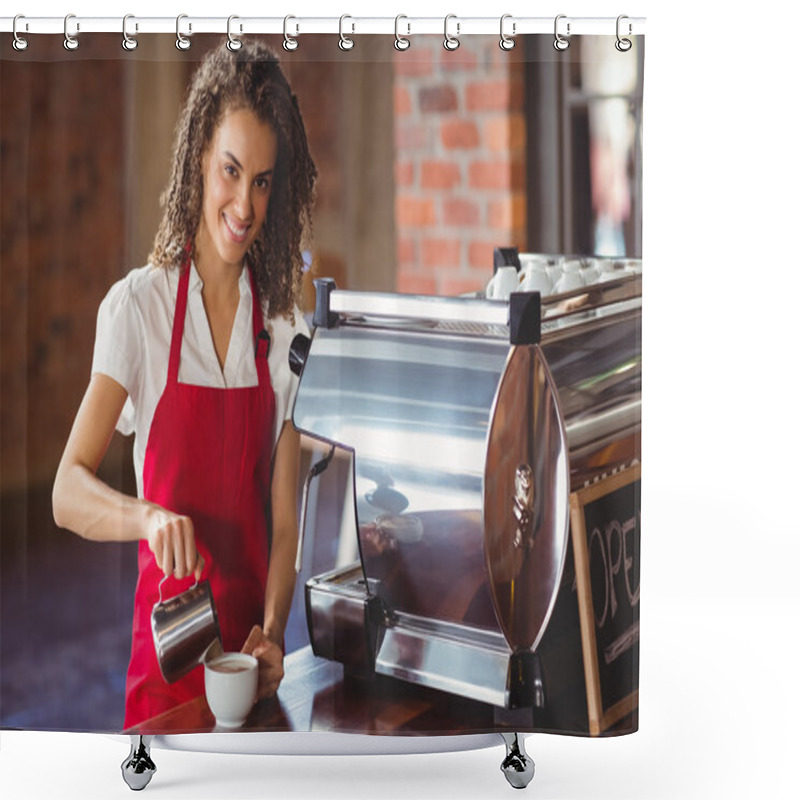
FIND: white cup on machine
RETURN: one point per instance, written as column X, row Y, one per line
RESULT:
column 571, row 277
column 533, row 275
column 503, row 282
column 554, row 269
column 590, row 271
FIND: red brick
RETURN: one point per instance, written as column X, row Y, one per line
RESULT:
column 461, row 212
column 406, row 251
column 404, row 173
column 402, row 100
column 438, row 98
column 413, row 63
column 496, row 95
column 411, row 137
column 460, row 133
column 481, row 255
column 415, row 283
column 505, row 133
column 500, row 174
column 508, row 213
column 440, row 175
column 414, row 212
column 490, row 175
column 441, row 252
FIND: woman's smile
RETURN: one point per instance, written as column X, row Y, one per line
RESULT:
column 238, row 231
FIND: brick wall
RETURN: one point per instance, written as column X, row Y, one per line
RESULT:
column 460, row 162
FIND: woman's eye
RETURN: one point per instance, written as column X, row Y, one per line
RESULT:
column 231, row 170
column 262, row 183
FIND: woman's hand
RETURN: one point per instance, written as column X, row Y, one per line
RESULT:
column 270, row 661
column 171, row 540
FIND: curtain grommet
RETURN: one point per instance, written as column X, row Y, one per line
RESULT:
column 401, row 43
column 623, row 45
column 451, row 42
column 70, row 41
column 234, row 43
column 507, row 42
column 182, row 42
column 19, row 43
column 560, row 43
column 128, row 42
column 345, row 43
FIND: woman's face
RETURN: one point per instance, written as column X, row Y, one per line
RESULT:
column 238, row 166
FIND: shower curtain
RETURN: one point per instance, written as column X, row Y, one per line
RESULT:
column 429, row 159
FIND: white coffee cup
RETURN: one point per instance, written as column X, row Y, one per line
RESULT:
column 231, row 687
column 533, row 275
column 571, row 276
column 590, row 271
column 503, row 282
column 554, row 269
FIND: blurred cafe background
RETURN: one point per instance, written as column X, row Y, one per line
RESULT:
column 428, row 160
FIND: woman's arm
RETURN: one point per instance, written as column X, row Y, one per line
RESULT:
column 267, row 645
column 281, row 578
column 89, row 507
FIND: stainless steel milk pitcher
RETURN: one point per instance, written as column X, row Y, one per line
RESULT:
column 185, row 628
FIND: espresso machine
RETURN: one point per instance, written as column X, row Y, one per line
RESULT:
column 471, row 424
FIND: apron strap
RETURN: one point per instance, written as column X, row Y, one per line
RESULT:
column 260, row 337
column 177, row 323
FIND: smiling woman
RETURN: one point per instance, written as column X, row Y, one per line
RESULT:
column 191, row 355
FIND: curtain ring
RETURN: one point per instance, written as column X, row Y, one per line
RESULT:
column 345, row 43
column 289, row 42
column 128, row 42
column 506, row 42
column 451, row 42
column 70, row 42
column 623, row 45
column 19, row 43
column 182, row 43
column 401, row 42
column 560, row 42
column 234, row 43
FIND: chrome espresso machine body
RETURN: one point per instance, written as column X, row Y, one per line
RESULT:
column 470, row 422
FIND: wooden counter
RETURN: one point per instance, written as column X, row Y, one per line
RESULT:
column 315, row 695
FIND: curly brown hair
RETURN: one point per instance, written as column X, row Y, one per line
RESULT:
column 249, row 78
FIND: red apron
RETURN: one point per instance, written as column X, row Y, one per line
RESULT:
column 208, row 457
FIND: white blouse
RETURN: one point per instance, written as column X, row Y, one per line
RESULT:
column 134, row 330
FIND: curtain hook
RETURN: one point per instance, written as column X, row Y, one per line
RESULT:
column 234, row 43
column 506, row 42
column 401, row 42
column 19, row 43
column 70, row 42
column 289, row 42
column 182, row 43
column 560, row 42
column 623, row 45
column 129, row 42
column 451, row 42
column 345, row 43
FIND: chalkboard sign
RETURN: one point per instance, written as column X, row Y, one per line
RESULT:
column 605, row 523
